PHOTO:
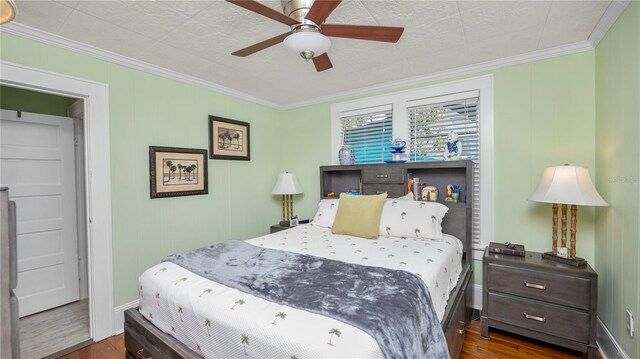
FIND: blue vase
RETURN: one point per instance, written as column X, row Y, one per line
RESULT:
column 346, row 155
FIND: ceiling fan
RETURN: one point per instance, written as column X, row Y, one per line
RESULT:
column 308, row 34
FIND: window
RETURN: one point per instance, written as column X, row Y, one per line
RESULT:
column 430, row 122
column 369, row 132
column 424, row 117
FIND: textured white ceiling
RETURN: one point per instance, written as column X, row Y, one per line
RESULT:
column 197, row 37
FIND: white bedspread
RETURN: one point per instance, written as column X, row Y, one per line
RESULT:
column 219, row 322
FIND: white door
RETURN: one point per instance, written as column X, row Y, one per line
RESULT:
column 37, row 164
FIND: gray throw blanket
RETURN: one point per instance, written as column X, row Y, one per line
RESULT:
column 392, row 306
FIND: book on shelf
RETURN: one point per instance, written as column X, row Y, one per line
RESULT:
column 507, row 248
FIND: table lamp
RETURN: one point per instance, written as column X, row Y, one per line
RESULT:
column 566, row 185
column 287, row 185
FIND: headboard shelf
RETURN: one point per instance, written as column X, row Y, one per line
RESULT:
column 392, row 179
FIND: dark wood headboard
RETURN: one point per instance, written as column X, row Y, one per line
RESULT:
column 392, row 179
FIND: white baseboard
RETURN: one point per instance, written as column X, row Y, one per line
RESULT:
column 118, row 318
column 607, row 344
column 477, row 296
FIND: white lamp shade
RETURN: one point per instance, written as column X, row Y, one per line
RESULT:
column 567, row 185
column 307, row 41
column 287, row 184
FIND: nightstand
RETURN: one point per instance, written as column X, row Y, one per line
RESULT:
column 540, row 299
column 277, row 228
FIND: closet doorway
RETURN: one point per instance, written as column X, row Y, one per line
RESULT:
column 42, row 163
column 99, row 260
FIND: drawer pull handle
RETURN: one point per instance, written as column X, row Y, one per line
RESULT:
column 381, row 192
column 461, row 326
column 536, row 286
column 382, row 176
column 140, row 354
column 535, row 317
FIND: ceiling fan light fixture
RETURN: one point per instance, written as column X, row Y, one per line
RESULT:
column 307, row 43
column 7, row 11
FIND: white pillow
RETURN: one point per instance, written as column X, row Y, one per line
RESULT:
column 406, row 197
column 412, row 219
column 326, row 214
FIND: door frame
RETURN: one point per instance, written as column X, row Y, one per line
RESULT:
column 97, row 175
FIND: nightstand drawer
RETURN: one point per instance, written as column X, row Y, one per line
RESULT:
column 545, row 286
column 383, row 174
column 542, row 317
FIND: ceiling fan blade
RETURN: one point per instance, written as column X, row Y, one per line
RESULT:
column 321, row 9
column 261, row 45
column 322, row 62
column 363, row 32
column 265, row 10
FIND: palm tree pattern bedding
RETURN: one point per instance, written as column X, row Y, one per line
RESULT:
column 278, row 321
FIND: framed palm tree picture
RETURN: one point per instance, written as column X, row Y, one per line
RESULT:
column 177, row 171
column 228, row 139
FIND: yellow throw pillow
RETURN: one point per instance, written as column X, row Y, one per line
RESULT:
column 359, row 215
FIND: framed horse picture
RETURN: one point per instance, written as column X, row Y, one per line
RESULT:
column 228, row 139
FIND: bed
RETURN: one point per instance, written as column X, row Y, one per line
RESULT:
column 237, row 324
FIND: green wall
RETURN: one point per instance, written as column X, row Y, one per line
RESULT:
column 16, row 99
column 544, row 114
column 618, row 176
column 150, row 110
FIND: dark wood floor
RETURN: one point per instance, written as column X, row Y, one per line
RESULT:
column 507, row 345
column 501, row 345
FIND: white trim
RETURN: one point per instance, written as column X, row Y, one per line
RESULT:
column 97, row 174
column 55, row 40
column 608, row 347
column 614, row 10
column 75, row 46
column 477, row 296
column 442, row 98
column 477, row 253
column 118, row 315
column 399, row 101
column 365, row 111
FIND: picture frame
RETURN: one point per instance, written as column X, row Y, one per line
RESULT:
column 189, row 165
column 229, row 139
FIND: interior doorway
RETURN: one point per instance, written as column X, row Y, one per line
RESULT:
column 97, row 170
column 42, row 163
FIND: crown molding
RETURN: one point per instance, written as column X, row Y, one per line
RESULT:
column 84, row 49
column 460, row 71
column 614, row 10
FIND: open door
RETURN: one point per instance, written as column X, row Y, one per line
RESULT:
column 37, row 163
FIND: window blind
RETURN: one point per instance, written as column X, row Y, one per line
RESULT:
column 429, row 124
column 369, row 132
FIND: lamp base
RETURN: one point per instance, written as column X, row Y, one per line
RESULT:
column 285, row 224
column 576, row 262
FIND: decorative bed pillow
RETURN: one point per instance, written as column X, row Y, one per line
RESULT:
column 412, row 219
column 406, row 197
column 326, row 213
column 359, row 215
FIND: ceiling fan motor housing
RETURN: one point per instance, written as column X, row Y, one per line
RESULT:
column 297, row 10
